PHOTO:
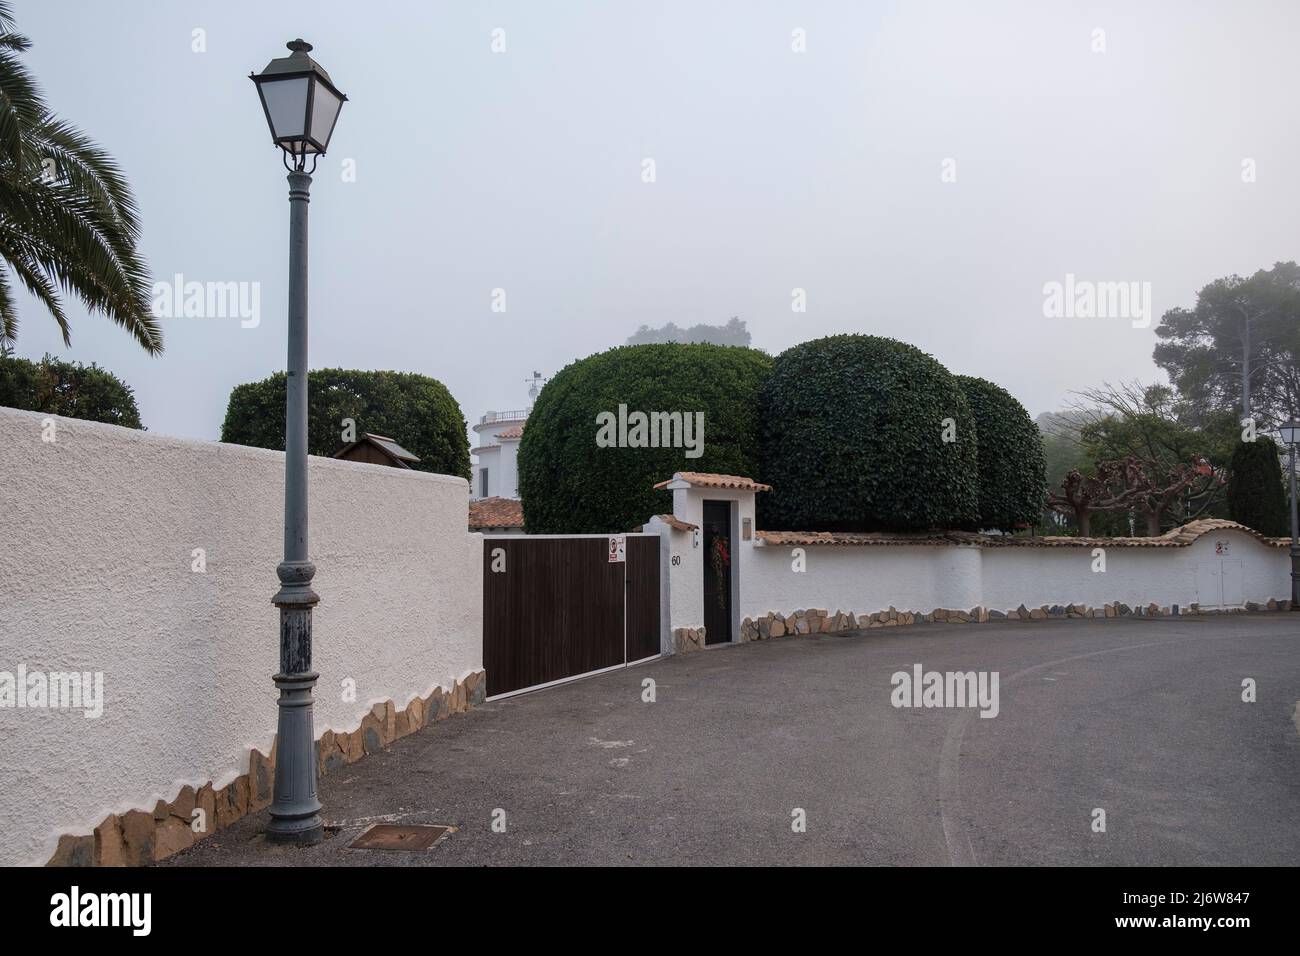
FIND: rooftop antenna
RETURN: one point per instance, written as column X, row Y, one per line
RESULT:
column 537, row 381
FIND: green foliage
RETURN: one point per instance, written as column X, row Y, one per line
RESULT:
column 1062, row 451
column 1255, row 495
column 1164, row 432
column 1012, row 469
column 416, row 411
column 1160, row 442
column 68, row 222
column 571, row 485
column 852, row 440
column 72, row 390
column 1202, row 348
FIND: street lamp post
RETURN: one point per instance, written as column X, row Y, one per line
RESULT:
column 301, row 106
column 1291, row 435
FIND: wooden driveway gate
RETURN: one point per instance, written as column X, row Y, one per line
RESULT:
column 555, row 608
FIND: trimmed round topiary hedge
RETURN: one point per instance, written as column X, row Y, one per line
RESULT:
column 416, row 411
column 853, row 440
column 570, row 484
column 1255, row 492
column 63, row 388
column 1012, row 467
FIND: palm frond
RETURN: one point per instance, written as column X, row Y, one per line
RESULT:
column 68, row 221
column 88, row 168
column 70, row 241
column 37, row 280
column 8, row 314
column 15, row 41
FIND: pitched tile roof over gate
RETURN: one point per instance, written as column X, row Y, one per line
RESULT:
column 672, row 521
column 702, row 479
column 496, row 513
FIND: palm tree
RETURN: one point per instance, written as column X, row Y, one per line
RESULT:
column 68, row 223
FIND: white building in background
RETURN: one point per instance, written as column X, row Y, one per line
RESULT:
column 495, row 470
column 496, row 452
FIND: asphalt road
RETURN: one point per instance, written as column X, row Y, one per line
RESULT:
column 1141, row 718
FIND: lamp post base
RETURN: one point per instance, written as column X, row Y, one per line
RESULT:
column 1295, row 579
column 1289, row 434
column 311, row 832
column 295, row 811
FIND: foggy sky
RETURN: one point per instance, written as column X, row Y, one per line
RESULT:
column 775, row 170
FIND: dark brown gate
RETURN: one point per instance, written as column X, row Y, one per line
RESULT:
column 555, row 608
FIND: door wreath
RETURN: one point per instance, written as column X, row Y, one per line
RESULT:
column 721, row 563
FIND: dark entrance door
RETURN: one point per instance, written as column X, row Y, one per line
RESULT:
column 717, row 572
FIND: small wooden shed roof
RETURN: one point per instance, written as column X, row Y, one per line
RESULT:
column 392, row 453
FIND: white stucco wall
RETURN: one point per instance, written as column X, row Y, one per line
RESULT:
column 97, row 531
column 1135, row 576
column 859, row 579
column 674, row 543
column 485, row 459
column 922, row 578
column 507, row 486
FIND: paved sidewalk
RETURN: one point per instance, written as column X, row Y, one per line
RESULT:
column 1142, row 718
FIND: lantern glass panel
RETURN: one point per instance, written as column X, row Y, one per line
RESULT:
column 286, row 104
column 324, row 111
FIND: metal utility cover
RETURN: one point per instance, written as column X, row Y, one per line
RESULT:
column 391, row 836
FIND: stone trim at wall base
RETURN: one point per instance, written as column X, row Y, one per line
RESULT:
column 140, row 837
column 816, row 621
column 686, row 639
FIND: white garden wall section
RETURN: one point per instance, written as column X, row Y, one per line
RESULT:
column 97, row 534
column 920, row 578
column 859, row 579
column 1137, row 575
column 873, row 578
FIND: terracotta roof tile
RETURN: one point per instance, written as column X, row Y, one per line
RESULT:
column 514, row 431
column 1177, row 538
column 496, row 513
column 677, row 524
column 702, row 479
column 862, row 538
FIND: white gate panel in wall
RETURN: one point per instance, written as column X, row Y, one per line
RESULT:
column 1219, row 583
column 1230, row 575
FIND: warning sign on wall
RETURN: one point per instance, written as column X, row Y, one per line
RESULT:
column 1221, row 547
column 617, row 548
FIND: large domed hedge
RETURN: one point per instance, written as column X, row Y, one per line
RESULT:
column 571, row 485
column 853, row 440
column 1012, row 469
